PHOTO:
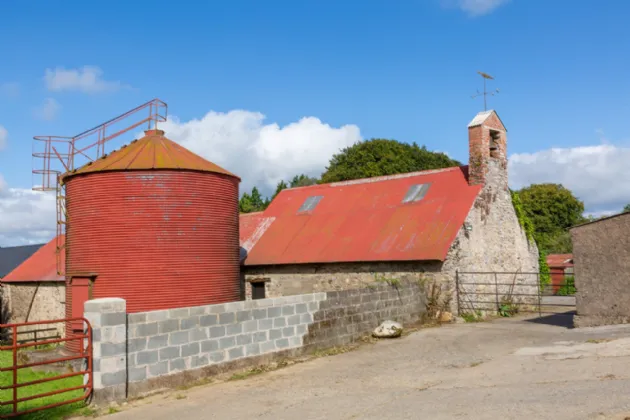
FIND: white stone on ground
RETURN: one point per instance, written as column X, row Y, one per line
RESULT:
column 388, row 329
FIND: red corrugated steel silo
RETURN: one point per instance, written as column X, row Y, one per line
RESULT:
column 152, row 223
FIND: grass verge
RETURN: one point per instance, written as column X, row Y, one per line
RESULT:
column 28, row 375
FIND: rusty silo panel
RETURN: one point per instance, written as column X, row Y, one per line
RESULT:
column 157, row 238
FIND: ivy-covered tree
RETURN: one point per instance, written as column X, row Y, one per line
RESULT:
column 378, row 157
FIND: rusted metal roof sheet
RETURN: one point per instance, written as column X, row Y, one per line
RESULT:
column 560, row 260
column 365, row 220
column 41, row 266
column 153, row 151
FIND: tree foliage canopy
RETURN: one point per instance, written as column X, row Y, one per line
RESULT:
column 552, row 209
column 252, row 202
column 378, row 157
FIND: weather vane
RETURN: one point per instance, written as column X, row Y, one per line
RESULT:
column 485, row 93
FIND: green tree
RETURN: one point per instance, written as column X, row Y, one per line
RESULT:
column 552, row 209
column 281, row 186
column 378, row 157
column 258, row 202
column 252, row 202
column 303, row 181
column 245, row 204
column 626, row 208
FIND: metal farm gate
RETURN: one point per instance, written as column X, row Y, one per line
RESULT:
column 509, row 293
column 51, row 379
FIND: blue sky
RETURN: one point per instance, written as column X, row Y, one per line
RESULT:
column 358, row 69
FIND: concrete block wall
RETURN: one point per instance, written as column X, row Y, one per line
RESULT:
column 347, row 315
column 176, row 340
column 138, row 352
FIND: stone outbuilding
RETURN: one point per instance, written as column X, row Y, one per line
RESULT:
column 33, row 291
column 601, row 258
column 422, row 225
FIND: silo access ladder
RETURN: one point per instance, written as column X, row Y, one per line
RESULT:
column 56, row 155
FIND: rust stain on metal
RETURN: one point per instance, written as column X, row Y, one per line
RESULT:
column 365, row 220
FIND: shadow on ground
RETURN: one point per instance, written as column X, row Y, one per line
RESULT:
column 562, row 319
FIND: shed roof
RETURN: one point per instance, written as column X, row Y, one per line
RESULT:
column 560, row 260
column 600, row 220
column 41, row 266
column 373, row 219
column 153, row 151
column 11, row 257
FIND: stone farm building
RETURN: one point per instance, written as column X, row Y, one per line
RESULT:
column 419, row 225
column 601, row 257
column 416, row 226
column 10, row 258
column 33, row 291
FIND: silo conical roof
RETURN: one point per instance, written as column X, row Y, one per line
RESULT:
column 151, row 152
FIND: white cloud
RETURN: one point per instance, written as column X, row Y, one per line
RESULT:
column 598, row 175
column 49, row 110
column 262, row 154
column 475, row 7
column 10, row 89
column 28, row 217
column 4, row 135
column 87, row 79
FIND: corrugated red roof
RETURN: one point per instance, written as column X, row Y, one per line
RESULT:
column 362, row 220
column 251, row 228
column 560, row 260
column 41, row 266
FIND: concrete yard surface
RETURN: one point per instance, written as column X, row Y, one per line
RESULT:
column 507, row 368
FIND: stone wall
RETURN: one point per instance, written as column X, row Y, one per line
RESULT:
column 142, row 351
column 37, row 301
column 494, row 242
column 288, row 280
column 601, row 258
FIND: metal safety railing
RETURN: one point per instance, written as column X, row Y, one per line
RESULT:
column 16, row 346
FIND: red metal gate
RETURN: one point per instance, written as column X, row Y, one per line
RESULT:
column 11, row 332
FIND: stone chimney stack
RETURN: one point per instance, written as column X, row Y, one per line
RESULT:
column 487, row 143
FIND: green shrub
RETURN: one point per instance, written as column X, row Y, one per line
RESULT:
column 568, row 288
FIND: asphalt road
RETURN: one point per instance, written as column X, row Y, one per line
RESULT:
column 508, row 369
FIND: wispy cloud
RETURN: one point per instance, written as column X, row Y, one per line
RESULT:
column 87, row 79
column 475, row 8
column 49, row 110
column 4, row 135
column 10, row 89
